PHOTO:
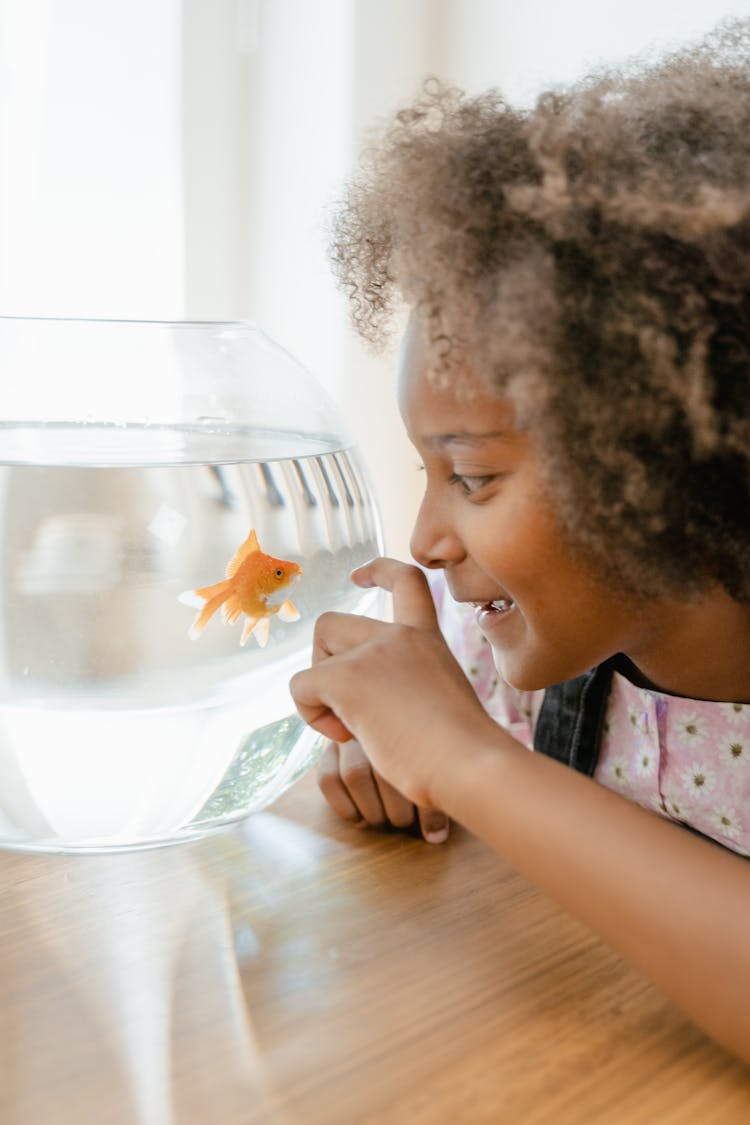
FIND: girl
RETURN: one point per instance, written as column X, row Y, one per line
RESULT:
column 576, row 380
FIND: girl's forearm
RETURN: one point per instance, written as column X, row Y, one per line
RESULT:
column 673, row 904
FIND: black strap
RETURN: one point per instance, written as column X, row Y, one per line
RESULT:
column 569, row 727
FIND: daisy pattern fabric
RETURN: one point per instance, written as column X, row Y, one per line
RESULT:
column 686, row 759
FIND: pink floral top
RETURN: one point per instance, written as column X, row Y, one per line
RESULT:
column 686, row 759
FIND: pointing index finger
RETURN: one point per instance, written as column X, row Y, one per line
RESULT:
column 412, row 600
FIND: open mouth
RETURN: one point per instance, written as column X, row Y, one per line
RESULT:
column 500, row 607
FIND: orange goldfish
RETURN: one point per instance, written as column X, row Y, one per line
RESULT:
column 252, row 586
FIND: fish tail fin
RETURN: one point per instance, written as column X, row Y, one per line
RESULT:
column 209, row 592
column 190, row 597
column 207, row 612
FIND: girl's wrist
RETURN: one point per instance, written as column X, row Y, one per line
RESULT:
column 461, row 788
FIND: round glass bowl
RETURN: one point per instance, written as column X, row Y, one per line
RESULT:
column 135, row 460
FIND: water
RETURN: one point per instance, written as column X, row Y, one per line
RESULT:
column 116, row 729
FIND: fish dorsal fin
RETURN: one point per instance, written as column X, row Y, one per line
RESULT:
column 247, row 548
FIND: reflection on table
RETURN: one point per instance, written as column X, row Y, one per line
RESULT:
column 294, row 969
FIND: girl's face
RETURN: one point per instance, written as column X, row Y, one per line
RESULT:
column 486, row 521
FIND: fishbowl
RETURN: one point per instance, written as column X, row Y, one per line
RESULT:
column 178, row 503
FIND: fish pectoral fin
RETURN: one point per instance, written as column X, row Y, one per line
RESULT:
column 259, row 627
column 232, row 610
column 251, row 544
column 288, row 611
column 261, row 631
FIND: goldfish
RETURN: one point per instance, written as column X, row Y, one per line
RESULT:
column 254, row 581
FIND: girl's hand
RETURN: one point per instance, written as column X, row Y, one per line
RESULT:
column 358, row 793
column 396, row 688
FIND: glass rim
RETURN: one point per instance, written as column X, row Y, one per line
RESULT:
column 131, row 321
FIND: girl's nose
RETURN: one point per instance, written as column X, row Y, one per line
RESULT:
column 434, row 544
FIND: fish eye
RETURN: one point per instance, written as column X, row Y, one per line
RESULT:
column 279, row 572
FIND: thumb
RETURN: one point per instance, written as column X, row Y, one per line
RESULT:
column 434, row 825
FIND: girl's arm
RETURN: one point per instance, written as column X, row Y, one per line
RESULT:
column 675, row 905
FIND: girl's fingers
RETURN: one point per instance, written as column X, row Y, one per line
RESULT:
column 358, row 794
column 309, row 700
column 332, row 787
column 309, row 690
column 359, row 781
column 433, row 825
column 412, row 605
column 339, row 632
column 412, row 600
column 398, row 809
column 358, row 662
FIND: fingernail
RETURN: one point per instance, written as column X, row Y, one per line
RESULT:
column 359, row 578
column 437, row 835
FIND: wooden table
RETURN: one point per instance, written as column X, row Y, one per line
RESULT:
column 296, row 970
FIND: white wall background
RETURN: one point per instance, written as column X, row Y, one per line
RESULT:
column 169, row 159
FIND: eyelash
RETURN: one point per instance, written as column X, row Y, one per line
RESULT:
column 468, row 484
column 462, row 480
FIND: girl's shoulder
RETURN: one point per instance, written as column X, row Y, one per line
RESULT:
column 686, row 759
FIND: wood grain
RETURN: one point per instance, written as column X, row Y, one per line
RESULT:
column 294, row 969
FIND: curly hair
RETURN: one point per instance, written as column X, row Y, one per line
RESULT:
column 592, row 256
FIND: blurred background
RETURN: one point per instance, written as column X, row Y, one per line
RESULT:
column 178, row 159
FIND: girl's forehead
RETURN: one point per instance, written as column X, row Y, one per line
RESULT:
column 440, row 400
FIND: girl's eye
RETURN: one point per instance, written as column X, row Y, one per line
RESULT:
column 470, row 485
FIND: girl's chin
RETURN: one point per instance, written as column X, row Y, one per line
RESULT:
column 505, row 662
column 518, row 670
column 513, row 653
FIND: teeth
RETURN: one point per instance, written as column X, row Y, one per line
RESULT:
column 502, row 605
